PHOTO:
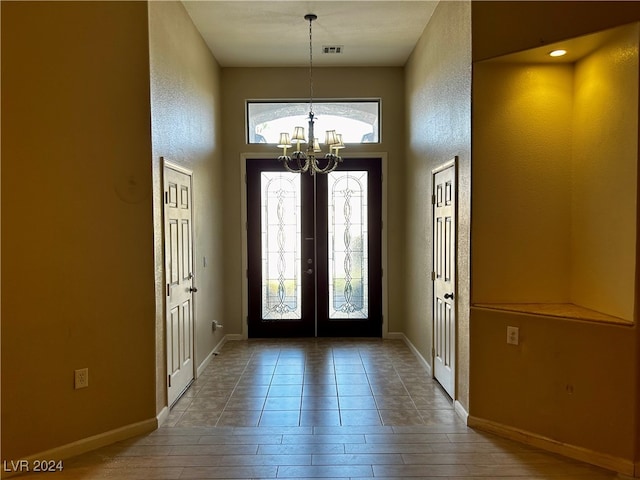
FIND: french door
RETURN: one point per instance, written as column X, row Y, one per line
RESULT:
column 314, row 250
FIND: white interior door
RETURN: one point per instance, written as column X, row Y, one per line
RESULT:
column 179, row 286
column 444, row 276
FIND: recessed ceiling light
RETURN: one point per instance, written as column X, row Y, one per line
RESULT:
column 557, row 53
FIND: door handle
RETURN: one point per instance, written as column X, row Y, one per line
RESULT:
column 309, row 271
column 193, row 289
column 448, row 296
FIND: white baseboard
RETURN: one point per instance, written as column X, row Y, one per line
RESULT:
column 214, row 352
column 457, row 406
column 460, row 410
column 604, row 460
column 209, row 357
column 234, row 337
column 394, row 336
column 628, row 477
column 412, row 347
column 162, row 416
column 94, row 442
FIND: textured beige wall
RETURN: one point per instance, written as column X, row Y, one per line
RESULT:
column 240, row 84
column 605, row 176
column 186, row 126
column 569, row 381
column 77, row 233
column 522, row 131
column 438, row 112
column 563, row 371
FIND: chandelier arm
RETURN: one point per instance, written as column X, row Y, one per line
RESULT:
column 317, row 167
column 332, row 164
column 337, row 160
column 285, row 161
column 299, row 157
column 335, row 164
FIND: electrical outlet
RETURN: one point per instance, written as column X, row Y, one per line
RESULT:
column 215, row 325
column 513, row 335
column 81, row 379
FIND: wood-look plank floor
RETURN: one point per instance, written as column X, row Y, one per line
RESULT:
column 321, row 409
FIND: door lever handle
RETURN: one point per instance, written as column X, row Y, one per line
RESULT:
column 448, row 296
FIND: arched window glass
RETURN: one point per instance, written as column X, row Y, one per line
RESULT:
column 357, row 120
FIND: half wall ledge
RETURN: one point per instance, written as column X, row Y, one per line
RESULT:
column 560, row 310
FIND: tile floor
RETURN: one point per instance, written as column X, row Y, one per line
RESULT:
column 318, row 408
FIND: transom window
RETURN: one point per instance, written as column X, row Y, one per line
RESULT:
column 357, row 120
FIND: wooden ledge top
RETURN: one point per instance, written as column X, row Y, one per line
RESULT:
column 561, row 310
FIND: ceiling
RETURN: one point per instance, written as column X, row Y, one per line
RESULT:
column 275, row 34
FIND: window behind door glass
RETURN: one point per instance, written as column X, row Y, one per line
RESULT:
column 357, row 120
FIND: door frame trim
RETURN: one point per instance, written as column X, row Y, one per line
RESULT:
column 179, row 168
column 243, row 226
column 445, row 165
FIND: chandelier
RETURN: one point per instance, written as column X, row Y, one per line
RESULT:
column 302, row 161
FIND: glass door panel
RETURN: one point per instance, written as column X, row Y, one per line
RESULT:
column 348, row 246
column 281, row 293
column 349, row 249
column 281, row 241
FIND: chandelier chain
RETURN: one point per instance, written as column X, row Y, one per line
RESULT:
column 300, row 160
column 310, row 66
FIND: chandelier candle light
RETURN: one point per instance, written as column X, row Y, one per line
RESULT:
column 300, row 161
